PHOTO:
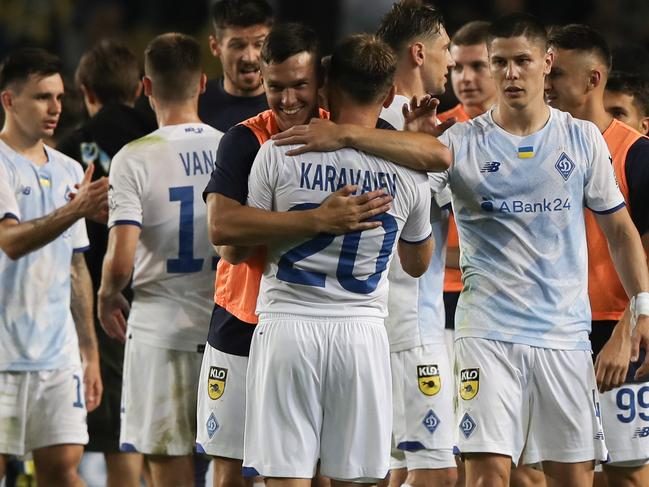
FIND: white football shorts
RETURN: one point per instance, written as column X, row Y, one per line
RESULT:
column 319, row 389
column 424, row 421
column 221, row 404
column 536, row 402
column 625, row 414
column 42, row 408
column 159, row 391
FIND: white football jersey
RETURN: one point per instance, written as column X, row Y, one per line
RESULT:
column 36, row 327
column 330, row 275
column 156, row 183
column 519, row 205
column 416, row 306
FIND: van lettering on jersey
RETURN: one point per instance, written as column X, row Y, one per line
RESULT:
column 329, row 179
column 197, row 162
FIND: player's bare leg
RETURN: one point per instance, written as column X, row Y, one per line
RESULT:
column 227, row 473
column 487, row 469
column 397, row 477
column 425, row 477
column 3, row 467
column 526, row 477
column 57, row 466
column 627, row 477
column 287, row 482
column 124, row 469
column 172, row 471
column 319, row 480
column 559, row 474
column 600, row 480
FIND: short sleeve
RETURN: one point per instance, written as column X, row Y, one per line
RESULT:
column 8, row 204
column 601, row 193
column 125, row 190
column 80, row 242
column 637, row 177
column 236, row 152
column 263, row 177
column 417, row 228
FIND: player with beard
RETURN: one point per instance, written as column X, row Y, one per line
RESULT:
column 576, row 84
column 240, row 27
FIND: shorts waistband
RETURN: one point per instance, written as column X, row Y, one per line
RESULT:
column 372, row 320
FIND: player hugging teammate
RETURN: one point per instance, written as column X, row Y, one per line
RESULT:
column 317, row 351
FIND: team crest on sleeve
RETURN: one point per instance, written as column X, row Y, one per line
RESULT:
column 469, row 383
column 429, row 380
column 216, row 382
column 565, row 166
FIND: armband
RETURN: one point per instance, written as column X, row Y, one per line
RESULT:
column 639, row 306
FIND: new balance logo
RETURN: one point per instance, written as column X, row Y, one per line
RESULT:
column 641, row 432
column 491, row 166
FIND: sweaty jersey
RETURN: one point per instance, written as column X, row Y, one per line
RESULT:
column 36, row 327
column 331, row 275
column 630, row 153
column 156, row 183
column 416, row 305
column 519, row 203
column 452, row 276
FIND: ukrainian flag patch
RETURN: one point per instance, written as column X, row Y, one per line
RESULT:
column 525, row 152
column 44, row 179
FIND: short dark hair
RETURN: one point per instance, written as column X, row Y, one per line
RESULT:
column 240, row 13
column 22, row 63
column 472, row 33
column 111, row 71
column 518, row 24
column 363, row 66
column 408, row 20
column 583, row 38
column 633, row 85
column 289, row 39
column 173, row 62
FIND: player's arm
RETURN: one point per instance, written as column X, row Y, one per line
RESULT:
column 416, row 150
column 81, row 308
column 112, row 306
column 415, row 257
column 231, row 223
column 630, row 262
column 19, row 238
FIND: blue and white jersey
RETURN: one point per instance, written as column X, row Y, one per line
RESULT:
column 519, row 204
column 327, row 275
column 36, row 327
column 156, row 183
column 416, row 305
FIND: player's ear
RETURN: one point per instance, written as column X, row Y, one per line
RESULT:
column 644, row 125
column 6, row 97
column 147, row 85
column 138, row 90
column 215, row 46
column 390, row 96
column 416, row 52
column 548, row 61
column 202, row 82
column 88, row 94
column 595, row 79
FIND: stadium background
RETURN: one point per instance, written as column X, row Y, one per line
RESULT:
column 69, row 27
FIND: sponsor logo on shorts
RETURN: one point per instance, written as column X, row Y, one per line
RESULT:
column 216, row 382
column 467, row 425
column 641, row 432
column 430, row 382
column 431, row 421
column 469, row 383
column 212, row 425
